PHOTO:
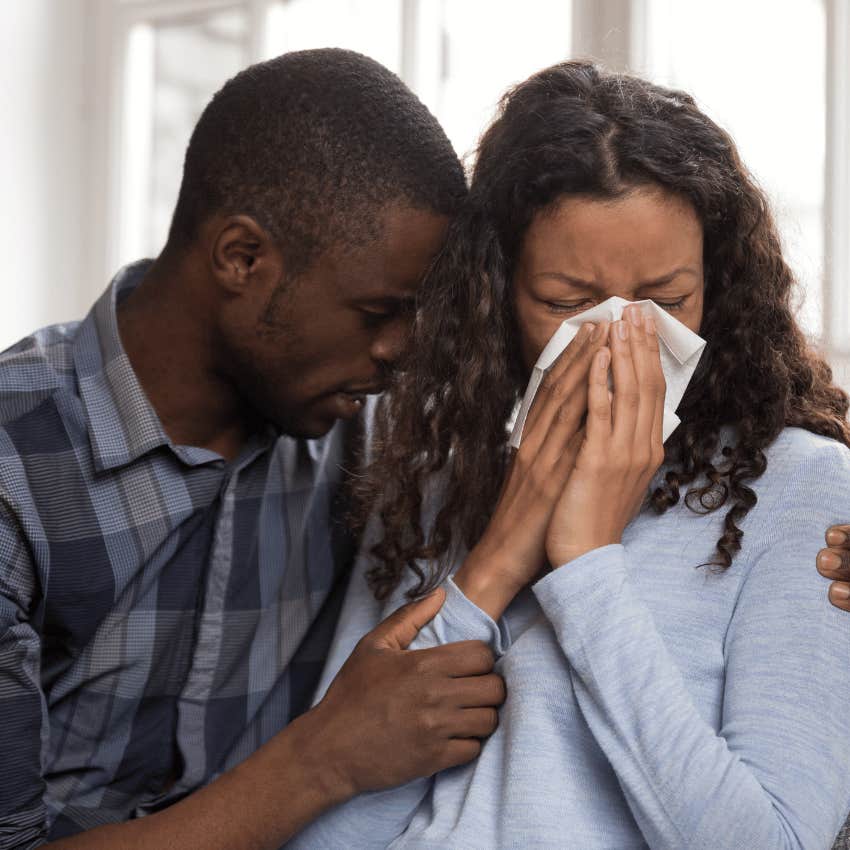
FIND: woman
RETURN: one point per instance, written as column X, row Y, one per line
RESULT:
column 672, row 670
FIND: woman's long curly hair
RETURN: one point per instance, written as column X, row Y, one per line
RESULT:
column 576, row 130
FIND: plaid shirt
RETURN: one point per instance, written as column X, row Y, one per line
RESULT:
column 163, row 613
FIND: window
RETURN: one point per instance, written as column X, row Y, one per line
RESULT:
column 174, row 64
column 776, row 76
column 466, row 54
column 764, row 80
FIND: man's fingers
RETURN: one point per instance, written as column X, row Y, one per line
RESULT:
column 478, row 691
column 839, row 595
column 838, row 535
column 460, row 751
column 475, row 723
column 834, row 563
column 402, row 626
column 464, row 658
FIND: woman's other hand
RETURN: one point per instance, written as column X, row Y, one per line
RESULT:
column 511, row 552
column 623, row 444
column 834, row 563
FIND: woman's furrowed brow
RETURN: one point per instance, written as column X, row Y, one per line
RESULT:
column 667, row 278
column 566, row 278
column 591, row 284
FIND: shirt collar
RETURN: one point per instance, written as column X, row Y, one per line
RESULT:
column 122, row 424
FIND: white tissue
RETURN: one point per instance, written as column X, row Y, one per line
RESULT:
column 680, row 351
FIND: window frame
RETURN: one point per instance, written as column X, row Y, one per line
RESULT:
column 837, row 184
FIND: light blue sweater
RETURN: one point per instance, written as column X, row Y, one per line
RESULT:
column 649, row 702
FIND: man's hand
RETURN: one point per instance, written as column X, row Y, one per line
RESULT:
column 390, row 715
column 834, row 563
column 393, row 714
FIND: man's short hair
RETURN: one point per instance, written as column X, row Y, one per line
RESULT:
column 313, row 144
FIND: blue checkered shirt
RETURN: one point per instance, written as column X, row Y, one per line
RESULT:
column 163, row 613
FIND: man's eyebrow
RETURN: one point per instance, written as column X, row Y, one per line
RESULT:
column 590, row 284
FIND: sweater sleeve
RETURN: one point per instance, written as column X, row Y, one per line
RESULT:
column 373, row 820
column 777, row 774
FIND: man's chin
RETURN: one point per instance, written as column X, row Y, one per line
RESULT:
column 317, row 419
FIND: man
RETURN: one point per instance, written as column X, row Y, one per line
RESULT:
column 170, row 546
column 834, row 563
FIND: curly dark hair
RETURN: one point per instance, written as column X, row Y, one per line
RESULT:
column 312, row 144
column 574, row 129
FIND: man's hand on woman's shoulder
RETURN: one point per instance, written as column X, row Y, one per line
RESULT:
column 833, row 562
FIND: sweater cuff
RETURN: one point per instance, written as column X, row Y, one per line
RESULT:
column 464, row 620
column 581, row 589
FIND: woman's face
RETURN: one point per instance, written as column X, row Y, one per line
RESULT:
column 645, row 245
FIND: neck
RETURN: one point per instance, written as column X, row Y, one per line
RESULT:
column 166, row 328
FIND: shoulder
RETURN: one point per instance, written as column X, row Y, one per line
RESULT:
column 35, row 368
column 798, row 459
column 805, row 489
column 40, row 416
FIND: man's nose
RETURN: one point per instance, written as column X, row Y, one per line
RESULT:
column 393, row 339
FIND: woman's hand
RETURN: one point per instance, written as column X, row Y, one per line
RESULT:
column 623, row 444
column 511, row 552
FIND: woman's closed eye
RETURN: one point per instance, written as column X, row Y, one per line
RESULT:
column 570, row 307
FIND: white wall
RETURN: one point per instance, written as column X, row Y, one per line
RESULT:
column 43, row 180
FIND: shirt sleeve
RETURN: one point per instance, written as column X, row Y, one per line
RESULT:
column 23, row 814
column 777, row 774
column 373, row 820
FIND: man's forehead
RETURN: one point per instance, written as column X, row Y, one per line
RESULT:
column 393, row 265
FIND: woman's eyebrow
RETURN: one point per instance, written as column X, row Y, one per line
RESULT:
column 667, row 278
column 590, row 284
column 565, row 278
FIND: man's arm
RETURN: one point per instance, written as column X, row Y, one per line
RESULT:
column 389, row 716
column 833, row 562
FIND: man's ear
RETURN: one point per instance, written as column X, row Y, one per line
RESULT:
column 243, row 255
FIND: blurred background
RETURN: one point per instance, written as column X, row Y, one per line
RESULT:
column 99, row 97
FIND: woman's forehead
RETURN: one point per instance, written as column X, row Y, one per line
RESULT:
column 646, row 233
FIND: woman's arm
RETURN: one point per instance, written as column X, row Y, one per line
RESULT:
column 372, row 820
column 777, row 775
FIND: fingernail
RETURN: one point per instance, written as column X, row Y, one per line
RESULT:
column 603, row 358
column 622, row 330
column 836, row 537
column 597, row 332
column 840, row 592
column 829, row 560
column 586, row 330
column 649, row 324
column 635, row 316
